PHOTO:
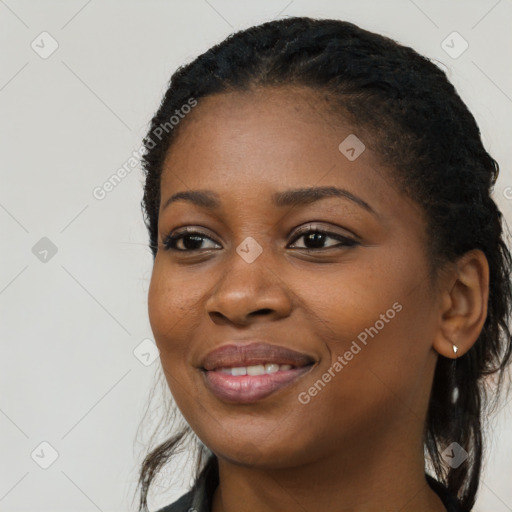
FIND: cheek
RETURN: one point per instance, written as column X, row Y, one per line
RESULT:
column 160, row 310
column 169, row 311
column 172, row 302
column 378, row 321
column 386, row 360
column 349, row 301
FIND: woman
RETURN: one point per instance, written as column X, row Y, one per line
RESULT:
column 330, row 284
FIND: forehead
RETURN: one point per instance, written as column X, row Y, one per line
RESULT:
column 262, row 125
column 247, row 144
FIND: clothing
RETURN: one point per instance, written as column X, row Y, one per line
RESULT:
column 199, row 498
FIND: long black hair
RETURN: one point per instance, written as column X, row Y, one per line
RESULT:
column 413, row 118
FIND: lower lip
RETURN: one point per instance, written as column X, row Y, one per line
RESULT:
column 250, row 388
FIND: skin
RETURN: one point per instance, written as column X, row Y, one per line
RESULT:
column 357, row 445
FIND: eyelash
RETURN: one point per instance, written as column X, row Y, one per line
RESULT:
column 171, row 239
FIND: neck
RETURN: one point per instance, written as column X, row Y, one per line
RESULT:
column 363, row 476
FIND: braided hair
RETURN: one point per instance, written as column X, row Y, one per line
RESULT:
column 422, row 131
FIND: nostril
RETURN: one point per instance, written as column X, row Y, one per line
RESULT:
column 262, row 311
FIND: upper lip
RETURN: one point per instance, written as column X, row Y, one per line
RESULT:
column 236, row 354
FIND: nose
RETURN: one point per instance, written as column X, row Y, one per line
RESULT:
column 249, row 292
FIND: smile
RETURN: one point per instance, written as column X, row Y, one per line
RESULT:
column 246, row 373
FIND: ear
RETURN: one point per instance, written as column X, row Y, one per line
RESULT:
column 463, row 304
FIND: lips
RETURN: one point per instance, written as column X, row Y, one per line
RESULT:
column 233, row 373
column 236, row 355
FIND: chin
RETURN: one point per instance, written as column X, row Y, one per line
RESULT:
column 275, row 454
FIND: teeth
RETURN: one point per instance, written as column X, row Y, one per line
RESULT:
column 258, row 369
column 271, row 368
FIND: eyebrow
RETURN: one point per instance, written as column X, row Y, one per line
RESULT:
column 295, row 197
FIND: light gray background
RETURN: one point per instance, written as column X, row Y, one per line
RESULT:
column 69, row 325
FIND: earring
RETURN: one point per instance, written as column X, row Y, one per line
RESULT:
column 455, row 388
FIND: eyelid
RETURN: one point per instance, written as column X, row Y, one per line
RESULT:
column 179, row 232
column 313, row 226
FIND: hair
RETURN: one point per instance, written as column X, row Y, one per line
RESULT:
column 423, row 133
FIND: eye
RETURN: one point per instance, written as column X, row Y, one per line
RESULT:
column 191, row 238
column 315, row 238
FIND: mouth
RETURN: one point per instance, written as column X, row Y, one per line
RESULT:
column 248, row 373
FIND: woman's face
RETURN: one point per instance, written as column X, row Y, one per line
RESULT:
column 355, row 304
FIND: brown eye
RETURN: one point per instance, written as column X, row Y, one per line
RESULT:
column 191, row 241
column 316, row 238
